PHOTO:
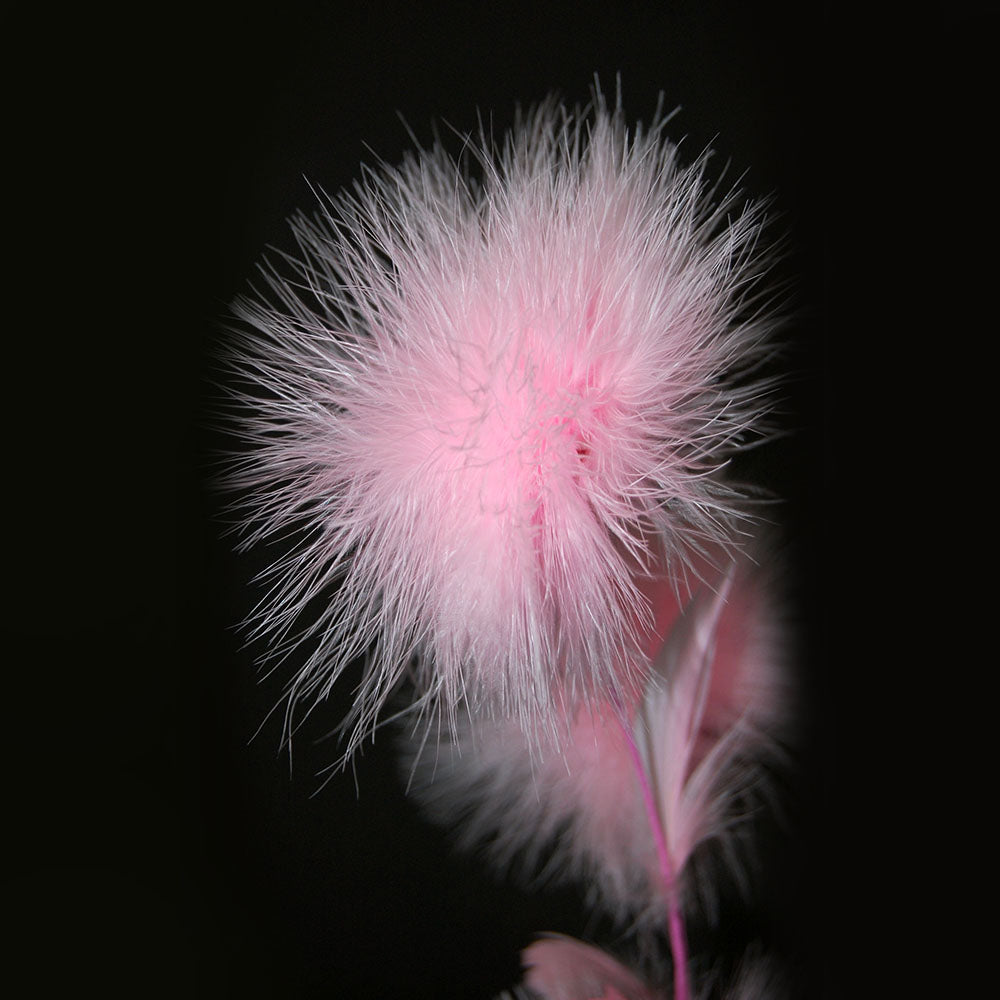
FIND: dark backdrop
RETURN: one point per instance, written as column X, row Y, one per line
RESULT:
column 158, row 850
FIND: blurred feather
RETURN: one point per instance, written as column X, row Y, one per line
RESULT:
column 575, row 810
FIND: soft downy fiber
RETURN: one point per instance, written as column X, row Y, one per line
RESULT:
column 498, row 404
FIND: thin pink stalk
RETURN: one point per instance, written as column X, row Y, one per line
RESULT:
column 675, row 920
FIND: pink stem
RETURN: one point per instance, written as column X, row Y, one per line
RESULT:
column 678, row 937
column 678, row 948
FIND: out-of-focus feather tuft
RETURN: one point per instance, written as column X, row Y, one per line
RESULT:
column 576, row 810
column 497, row 403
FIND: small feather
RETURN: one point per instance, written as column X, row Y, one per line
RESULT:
column 561, row 968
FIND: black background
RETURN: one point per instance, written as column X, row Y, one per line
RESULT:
column 158, row 850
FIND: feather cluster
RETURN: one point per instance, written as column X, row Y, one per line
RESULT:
column 495, row 395
column 496, row 392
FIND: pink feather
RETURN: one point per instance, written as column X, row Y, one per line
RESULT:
column 499, row 407
column 562, row 968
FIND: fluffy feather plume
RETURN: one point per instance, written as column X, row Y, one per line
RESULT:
column 660, row 773
column 498, row 403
